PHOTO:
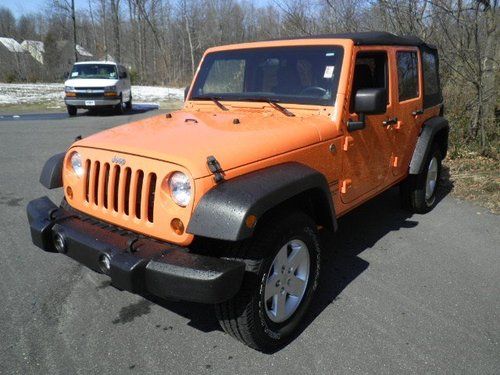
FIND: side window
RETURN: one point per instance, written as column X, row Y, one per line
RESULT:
column 370, row 71
column 407, row 75
column 432, row 91
column 122, row 72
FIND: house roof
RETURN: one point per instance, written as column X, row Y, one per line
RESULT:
column 11, row 44
column 35, row 48
column 82, row 51
column 33, row 44
column 79, row 49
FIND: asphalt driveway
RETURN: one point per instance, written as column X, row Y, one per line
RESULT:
column 399, row 294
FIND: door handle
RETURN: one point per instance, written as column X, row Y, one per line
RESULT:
column 391, row 121
column 418, row 112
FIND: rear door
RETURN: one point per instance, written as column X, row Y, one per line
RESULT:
column 408, row 104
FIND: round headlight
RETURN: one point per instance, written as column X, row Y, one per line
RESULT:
column 76, row 164
column 180, row 188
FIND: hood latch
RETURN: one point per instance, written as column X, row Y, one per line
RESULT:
column 215, row 168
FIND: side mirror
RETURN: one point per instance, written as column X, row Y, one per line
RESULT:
column 186, row 92
column 368, row 102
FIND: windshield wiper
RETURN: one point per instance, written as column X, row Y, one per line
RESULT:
column 215, row 99
column 273, row 103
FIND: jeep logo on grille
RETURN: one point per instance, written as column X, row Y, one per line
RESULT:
column 118, row 160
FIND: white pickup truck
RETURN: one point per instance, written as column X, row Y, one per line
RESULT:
column 98, row 84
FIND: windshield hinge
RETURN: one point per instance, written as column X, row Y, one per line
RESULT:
column 215, row 168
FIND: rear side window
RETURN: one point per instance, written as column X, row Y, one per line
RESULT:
column 407, row 75
column 432, row 91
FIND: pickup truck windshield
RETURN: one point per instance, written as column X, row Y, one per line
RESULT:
column 105, row 71
column 303, row 75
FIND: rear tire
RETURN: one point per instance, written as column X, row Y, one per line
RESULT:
column 72, row 110
column 276, row 290
column 418, row 192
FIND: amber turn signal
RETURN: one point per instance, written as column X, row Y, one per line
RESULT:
column 177, row 226
column 250, row 221
column 111, row 93
column 71, row 94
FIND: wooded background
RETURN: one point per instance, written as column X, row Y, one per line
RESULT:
column 162, row 40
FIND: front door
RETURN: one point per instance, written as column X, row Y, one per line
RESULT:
column 367, row 152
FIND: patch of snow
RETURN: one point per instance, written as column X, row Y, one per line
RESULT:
column 11, row 44
column 30, row 93
column 50, row 93
column 156, row 93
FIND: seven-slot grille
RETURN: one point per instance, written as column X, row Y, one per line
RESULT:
column 120, row 189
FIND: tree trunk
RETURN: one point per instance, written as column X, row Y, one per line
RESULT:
column 115, row 9
column 74, row 28
column 489, row 69
column 191, row 49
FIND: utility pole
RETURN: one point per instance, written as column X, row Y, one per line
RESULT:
column 74, row 28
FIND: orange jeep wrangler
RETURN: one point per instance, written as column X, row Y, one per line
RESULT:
column 221, row 201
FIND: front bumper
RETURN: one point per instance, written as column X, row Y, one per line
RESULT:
column 98, row 102
column 139, row 265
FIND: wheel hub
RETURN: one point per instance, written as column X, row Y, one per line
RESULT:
column 286, row 281
column 432, row 175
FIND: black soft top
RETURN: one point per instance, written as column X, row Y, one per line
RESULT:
column 373, row 38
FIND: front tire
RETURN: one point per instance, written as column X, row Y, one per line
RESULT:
column 418, row 192
column 72, row 110
column 119, row 109
column 128, row 105
column 282, row 273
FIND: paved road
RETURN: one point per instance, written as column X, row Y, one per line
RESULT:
column 399, row 294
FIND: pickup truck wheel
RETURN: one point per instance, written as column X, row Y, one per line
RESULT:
column 418, row 193
column 282, row 272
column 72, row 110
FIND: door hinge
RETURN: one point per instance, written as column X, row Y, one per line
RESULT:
column 346, row 186
column 348, row 142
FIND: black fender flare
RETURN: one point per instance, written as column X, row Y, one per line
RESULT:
column 223, row 210
column 425, row 141
column 51, row 176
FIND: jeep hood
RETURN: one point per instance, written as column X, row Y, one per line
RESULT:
column 188, row 138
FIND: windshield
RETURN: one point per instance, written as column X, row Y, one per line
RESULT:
column 105, row 71
column 304, row 75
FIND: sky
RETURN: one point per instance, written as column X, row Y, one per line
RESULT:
column 20, row 7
